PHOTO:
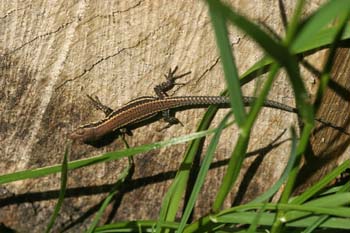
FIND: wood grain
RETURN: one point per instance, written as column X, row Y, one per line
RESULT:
column 53, row 53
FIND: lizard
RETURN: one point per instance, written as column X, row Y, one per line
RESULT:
column 145, row 107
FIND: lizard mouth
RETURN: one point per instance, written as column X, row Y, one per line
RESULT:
column 77, row 135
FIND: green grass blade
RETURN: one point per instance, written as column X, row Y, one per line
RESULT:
column 321, row 184
column 326, row 73
column 64, row 178
column 335, row 200
column 227, row 59
column 277, row 226
column 335, row 211
column 269, row 193
column 305, row 135
column 323, row 38
column 233, row 169
column 312, row 227
column 267, row 219
column 172, row 199
column 135, row 226
column 254, row 225
column 278, row 52
column 324, row 15
column 259, row 102
column 294, row 23
column 238, row 155
column 325, row 77
column 204, row 168
column 110, row 196
column 39, row 172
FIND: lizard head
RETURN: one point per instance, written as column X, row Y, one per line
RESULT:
column 83, row 134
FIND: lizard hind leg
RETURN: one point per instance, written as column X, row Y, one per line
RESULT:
column 170, row 118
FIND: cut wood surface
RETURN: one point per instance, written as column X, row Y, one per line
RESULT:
column 54, row 53
column 328, row 146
